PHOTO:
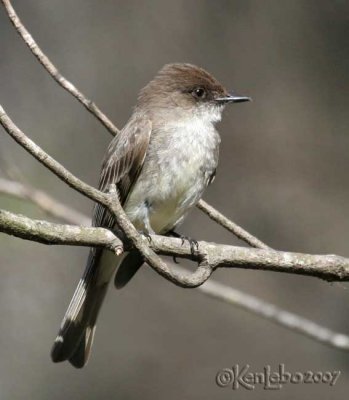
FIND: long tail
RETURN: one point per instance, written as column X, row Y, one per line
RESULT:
column 75, row 337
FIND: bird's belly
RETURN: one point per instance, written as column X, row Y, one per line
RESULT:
column 167, row 199
column 176, row 171
column 183, row 192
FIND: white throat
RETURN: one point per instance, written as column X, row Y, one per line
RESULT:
column 209, row 113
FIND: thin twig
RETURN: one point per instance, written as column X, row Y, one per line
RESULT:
column 231, row 226
column 53, row 71
column 43, row 200
column 275, row 314
column 94, row 110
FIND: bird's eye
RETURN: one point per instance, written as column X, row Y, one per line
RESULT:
column 199, row 93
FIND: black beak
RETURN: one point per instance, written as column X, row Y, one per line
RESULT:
column 233, row 98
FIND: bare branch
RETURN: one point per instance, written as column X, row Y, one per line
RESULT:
column 211, row 288
column 46, row 202
column 94, row 110
column 53, row 71
column 275, row 314
column 51, row 233
column 48, row 161
column 231, row 226
column 327, row 267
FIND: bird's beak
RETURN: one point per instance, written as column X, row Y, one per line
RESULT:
column 233, row 98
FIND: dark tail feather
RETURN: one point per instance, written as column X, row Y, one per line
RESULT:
column 83, row 349
column 127, row 269
column 75, row 336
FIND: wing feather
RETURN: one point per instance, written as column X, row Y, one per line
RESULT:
column 122, row 164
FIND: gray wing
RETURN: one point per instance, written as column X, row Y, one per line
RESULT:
column 122, row 164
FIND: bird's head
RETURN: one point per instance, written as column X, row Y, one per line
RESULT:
column 186, row 89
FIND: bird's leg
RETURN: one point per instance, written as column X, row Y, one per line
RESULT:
column 173, row 234
column 194, row 245
column 146, row 235
column 148, row 230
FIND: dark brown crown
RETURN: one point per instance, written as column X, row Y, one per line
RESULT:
column 181, row 78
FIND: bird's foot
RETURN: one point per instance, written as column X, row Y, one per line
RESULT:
column 174, row 258
column 194, row 245
column 147, row 235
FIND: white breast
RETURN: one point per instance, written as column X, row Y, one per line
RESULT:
column 178, row 165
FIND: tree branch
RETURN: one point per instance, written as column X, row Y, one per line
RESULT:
column 46, row 203
column 50, row 233
column 275, row 314
column 211, row 288
column 328, row 267
column 53, row 71
column 230, row 225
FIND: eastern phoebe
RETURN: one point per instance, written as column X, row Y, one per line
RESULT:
column 161, row 163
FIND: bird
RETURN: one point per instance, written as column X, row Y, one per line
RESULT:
column 161, row 162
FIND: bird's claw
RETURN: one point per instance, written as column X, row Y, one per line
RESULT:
column 146, row 235
column 194, row 245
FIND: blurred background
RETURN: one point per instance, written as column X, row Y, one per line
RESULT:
column 283, row 175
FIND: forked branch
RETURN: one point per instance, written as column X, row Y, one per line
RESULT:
column 210, row 288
